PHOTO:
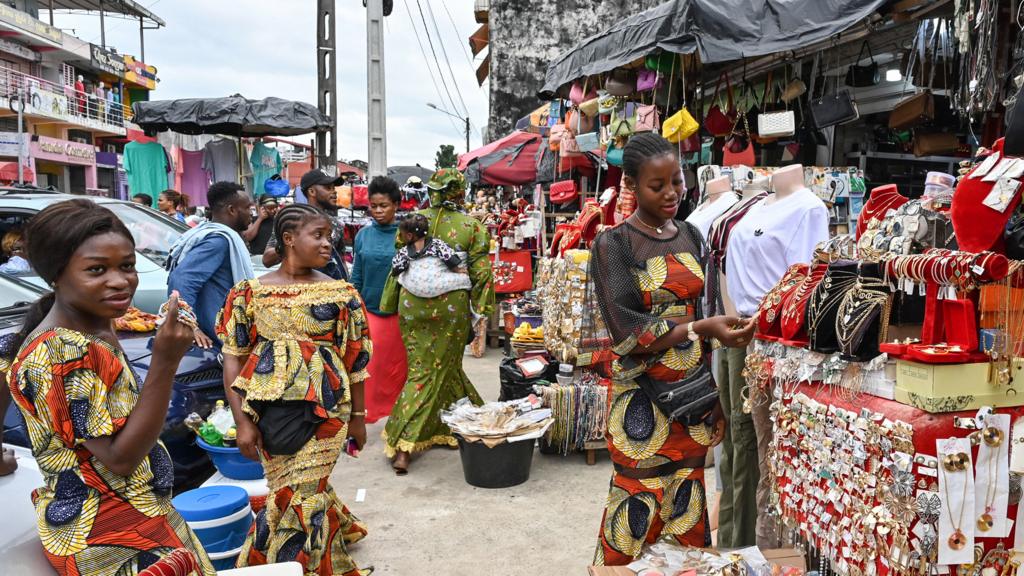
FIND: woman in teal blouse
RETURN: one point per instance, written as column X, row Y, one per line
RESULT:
column 374, row 247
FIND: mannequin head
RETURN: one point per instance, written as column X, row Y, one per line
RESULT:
column 787, row 180
column 754, row 187
column 717, row 186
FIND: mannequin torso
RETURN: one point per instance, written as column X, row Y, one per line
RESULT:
column 786, row 181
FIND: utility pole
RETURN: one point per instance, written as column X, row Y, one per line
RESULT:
column 465, row 120
column 467, row 134
column 377, row 145
column 327, row 95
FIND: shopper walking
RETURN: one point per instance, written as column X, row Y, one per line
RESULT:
column 105, row 507
column 436, row 330
column 173, row 204
column 318, row 189
column 260, row 232
column 648, row 279
column 211, row 258
column 296, row 348
column 374, row 247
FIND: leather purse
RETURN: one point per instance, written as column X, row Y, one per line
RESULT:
column 647, row 119
column 579, row 94
column 590, row 108
column 622, row 125
column 680, row 126
column 776, row 124
column 614, row 156
column 563, row 192
column 555, row 137
column 588, row 142
column 717, row 122
column 934, row 143
column 647, row 80
column 795, row 89
column 621, row 82
column 745, row 156
column 833, row 109
column 913, row 111
column 606, row 103
column 664, row 62
column 859, row 76
column 569, row 146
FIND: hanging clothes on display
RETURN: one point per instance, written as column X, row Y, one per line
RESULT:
column 265, row 162
column 220, row 159
column 146, row 166
column 195, row 180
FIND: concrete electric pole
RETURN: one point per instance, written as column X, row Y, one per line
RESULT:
column 327, row 94
column 377, row 144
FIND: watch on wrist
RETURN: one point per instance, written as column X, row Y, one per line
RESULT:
column 691, row 333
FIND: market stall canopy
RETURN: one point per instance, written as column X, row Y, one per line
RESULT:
column 401, row 174
column 718, row 30
column 510, row 161
column 230, row 116
column 124, row 7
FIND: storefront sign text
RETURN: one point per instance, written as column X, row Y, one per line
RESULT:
column 107, row 61
column 19, row 50
column 64, row 151
column 24, row 21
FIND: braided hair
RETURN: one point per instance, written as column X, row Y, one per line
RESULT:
column 415, row 224
column 291, row 218
column 641, row 148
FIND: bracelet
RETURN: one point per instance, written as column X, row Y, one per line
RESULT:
column 362, row 413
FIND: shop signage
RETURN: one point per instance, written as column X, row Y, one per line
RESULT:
column 137, row 72
column 19, row 50
column 27, row 23
column 107, row 61
column 13, row 144
column 64, row 151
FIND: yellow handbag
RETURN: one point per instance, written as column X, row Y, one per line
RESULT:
column 679, row 126
column 590, row 107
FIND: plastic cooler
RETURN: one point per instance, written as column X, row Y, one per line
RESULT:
column 221, row 518
column 231, row 463
column 257, row 489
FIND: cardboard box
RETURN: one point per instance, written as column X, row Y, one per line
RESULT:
column 958, row 403
column 950, row 380
column 785, row 557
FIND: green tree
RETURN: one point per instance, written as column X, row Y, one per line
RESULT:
column 446, row 157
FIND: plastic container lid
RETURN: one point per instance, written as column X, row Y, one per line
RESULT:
column 210, row 502
column 566, row 368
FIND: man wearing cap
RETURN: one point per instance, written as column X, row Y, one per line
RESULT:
column 262, row 229
column 318, row 188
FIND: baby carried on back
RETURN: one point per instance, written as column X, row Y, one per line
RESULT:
column 426, row 266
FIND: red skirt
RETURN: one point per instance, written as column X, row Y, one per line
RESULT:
column 388, row 366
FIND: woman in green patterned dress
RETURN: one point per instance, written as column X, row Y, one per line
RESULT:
column 435, row 330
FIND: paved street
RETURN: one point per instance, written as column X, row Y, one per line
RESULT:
column 432, row 522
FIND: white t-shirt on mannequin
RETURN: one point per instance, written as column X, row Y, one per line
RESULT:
column 768, row 240
column 706, row 214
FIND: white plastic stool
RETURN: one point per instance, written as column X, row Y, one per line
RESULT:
column 282, row 569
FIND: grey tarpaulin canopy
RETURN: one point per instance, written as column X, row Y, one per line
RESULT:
column 401, row 174
column 718, row 30
column 230, row 116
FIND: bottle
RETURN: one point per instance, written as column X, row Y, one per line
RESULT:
column 221, row 417
column 231, row 438
column 208, row 432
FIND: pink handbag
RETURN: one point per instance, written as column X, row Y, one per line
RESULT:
column 579, row 94
column 647, row 119
column 647, row 80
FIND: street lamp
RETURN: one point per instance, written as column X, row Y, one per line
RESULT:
column 466, row 120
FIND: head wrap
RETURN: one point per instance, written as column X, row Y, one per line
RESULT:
column 447, row 189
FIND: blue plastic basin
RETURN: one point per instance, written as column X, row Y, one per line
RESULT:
column 231, row 463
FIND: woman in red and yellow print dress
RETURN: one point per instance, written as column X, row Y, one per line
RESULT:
column 648, row 282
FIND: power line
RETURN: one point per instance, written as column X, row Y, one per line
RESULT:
column 447, row 62
column 426, row 60
column 469, row 59
column 426, row 29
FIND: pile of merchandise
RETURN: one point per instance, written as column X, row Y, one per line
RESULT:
column 580, row 409
column 497, row 422
column 216, row 430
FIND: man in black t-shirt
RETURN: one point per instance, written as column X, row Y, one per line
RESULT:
column 262, row 228
column 318, row 187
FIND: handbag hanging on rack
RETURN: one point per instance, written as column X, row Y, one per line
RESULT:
column 833, row 109
column 772, row 125
column 717, row 122
column 739, row 148
column 858, row 76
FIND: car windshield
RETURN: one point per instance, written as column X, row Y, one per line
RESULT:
column 14, row 293
column 154, row 234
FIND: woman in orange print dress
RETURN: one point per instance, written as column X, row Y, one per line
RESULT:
column 105, row 508
column 652, row 311
column 296, row 348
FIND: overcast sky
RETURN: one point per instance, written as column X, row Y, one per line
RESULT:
column 262, row 48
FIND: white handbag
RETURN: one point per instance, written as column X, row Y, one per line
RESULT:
column 776, row 124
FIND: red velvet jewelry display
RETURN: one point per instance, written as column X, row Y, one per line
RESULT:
column 881, row 200
column 794, row 308
column 961, row 323
column 978, row 227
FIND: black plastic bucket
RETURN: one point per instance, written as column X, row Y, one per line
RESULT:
column 505, row 465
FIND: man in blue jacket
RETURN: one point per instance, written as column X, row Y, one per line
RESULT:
column 208, row 260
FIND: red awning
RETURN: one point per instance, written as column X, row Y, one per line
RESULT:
column 9, row 173
column 514, row 139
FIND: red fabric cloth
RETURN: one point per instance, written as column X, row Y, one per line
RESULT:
column 388, row 366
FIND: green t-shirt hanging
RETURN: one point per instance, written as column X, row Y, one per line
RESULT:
column 265, row 163
column 146, row 166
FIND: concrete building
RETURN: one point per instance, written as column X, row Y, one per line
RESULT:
column 75, row 96
column 524, row 35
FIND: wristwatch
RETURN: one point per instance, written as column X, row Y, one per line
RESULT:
column 690, row 333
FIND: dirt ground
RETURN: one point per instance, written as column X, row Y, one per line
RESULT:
column 432, row 523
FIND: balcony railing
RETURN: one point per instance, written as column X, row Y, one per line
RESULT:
column 43, row 98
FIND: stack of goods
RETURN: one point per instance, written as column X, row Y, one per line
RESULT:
column 580, row 409
column 497, row 422
column 668, row 558
column 216, row 430
column 562, row 291
column 136, row 320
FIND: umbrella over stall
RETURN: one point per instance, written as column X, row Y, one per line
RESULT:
column 510, row 161
column 231, row 116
